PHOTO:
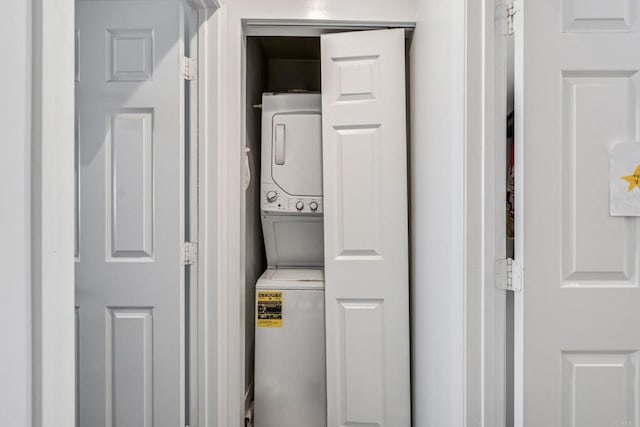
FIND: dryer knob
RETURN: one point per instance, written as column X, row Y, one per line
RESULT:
column 271, row 196
column 299, row 206
column 313, row 206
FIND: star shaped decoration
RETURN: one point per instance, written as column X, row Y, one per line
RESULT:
column 633, row 180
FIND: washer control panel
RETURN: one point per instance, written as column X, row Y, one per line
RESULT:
column 273, row 199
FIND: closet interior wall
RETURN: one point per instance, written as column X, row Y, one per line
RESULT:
column 255, row 258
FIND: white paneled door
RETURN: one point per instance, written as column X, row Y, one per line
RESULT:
column 366, row 243
column 129, row 297
column 578, row 75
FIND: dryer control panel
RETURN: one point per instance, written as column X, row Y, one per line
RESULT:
column 273, row 199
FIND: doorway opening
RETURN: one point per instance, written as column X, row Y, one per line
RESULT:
column 277, row 66
column 276, row 59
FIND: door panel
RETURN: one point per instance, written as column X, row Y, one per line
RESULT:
column 129, row 367
column 129, row 281
column 129, row 148
column 366, row 243
column 597, row 109
column 577, row 77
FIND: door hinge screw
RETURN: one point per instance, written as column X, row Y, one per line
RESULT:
column 509, row 13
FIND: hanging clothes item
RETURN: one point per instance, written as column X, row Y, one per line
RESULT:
column 511, row 188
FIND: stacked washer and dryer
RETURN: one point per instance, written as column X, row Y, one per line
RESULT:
column 290, row 371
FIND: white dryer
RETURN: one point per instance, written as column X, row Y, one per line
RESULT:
column 291, row 179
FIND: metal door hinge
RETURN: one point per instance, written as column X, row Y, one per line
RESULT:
column 189, row 253
column 512, row 9
column 189, row 68
column 509, row 275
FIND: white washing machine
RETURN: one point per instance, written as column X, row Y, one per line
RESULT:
column 290, row 369
column 291, row 179
column 290, row 366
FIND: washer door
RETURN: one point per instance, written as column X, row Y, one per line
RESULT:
column 294, row 240
column 296, row 153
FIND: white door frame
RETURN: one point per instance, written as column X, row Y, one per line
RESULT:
column 455, row 140
column 485, row 195
column 220, row 394
column 52, row 210
column 482, row 300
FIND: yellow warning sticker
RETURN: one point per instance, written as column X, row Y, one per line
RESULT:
column 269, row 309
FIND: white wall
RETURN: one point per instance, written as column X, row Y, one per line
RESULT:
column 438, row 214
column 353, row 10
column 15, row 218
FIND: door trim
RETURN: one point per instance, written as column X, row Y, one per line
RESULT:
column 518, row 402
column 52, row 221
column 485, row 223
column 215, row 344
column 314, row 28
